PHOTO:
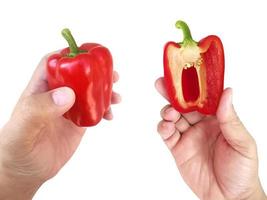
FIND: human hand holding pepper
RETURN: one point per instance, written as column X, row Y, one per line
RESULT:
column 37, row 140
column 216, row 155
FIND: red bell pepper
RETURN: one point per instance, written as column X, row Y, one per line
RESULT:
column 194, row 72
column 88, row 71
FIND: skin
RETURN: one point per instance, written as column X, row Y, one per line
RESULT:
column 37, row 141
column 215, row 155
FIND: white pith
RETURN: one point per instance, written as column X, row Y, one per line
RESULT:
column 186, row 57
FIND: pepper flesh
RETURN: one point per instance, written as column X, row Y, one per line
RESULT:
column 88, row 71
column 194, row 72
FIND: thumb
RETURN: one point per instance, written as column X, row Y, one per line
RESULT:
column 232, row 128
column 39, row 108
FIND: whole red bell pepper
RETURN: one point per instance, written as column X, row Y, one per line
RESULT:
column 88, row 71
column 194, row 72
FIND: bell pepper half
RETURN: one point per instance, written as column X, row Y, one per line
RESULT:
column 88, row 71
column 194, row 72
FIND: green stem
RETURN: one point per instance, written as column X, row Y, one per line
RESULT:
column 74, row 50
column 188, row 40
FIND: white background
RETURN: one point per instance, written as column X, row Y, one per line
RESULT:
column 125, row 158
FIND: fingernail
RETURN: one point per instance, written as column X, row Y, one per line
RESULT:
column 62, row 96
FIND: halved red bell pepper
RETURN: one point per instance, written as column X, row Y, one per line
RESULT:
column 194, row 72
column 88, row 71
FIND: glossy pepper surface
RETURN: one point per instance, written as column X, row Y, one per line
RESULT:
column 88, row 71
column 194, row 72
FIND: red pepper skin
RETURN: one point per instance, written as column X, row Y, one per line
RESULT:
column 205, row 85
column 89, row 74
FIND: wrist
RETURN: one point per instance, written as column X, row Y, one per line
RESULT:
column 15, row 186
column 258, row 194
column 16, row 190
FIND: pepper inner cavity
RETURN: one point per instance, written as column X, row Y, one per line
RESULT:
column 190, row 83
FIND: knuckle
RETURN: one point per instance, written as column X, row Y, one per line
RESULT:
column 234, row 121
column 163, row 110
column 160, row 127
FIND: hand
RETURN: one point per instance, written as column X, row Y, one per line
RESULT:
column 215, row 155
column 37, row 141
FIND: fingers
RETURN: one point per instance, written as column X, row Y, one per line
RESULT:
column 160, row 86
column 38, row 82
column 182, row 125
column 182, row 122
column 108, row 115
column 115, row 76
column 166, row 129
column 168, row 113
column 173, row 140
column 232, row 128
column 168, row 133
column 115, row 98
column 174, row 124
column 193, row 117
column 35, row 110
